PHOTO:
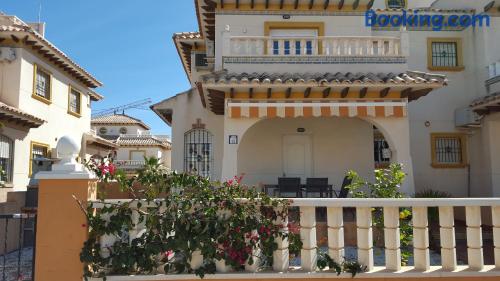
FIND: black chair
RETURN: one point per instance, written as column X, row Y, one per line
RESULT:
column 289, row 185
column 344, row 191
column 318, row 185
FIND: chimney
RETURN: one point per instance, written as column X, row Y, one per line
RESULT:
column 39, row 27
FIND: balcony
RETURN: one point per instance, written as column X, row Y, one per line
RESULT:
column 320, row 51
column 427, row 262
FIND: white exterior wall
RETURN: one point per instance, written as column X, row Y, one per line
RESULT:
column 187, row 109
column 480, row 48
column 115, row 130
column 16, row 90
column 338, row 145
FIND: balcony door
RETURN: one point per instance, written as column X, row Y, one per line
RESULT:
column 295, row 42
column 297, row 156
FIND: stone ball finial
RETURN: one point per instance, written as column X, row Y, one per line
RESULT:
column 67, row 149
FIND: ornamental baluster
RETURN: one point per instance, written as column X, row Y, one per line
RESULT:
column 365, row 236
column 308, row 254
column 474, row 237
column 335, row 233
column 447, row 238
column 421, row 238
column 495, row 214
column 335, row 46
column 269, row 46
column 392, row 238
column 281, row 254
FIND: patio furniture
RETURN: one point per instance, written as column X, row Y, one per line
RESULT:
column 318, row 185
column 344, row 191
column 289, row 185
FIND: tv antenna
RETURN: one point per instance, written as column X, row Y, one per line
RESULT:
column 121, row 109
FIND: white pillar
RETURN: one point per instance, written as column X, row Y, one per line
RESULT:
column 421, row 239
column 495, row 214
column 365, row 237
column 474, row 237
column 233, row 127
column 397, row 133
column 335, row 233
column 309, row 254
column 447, row 238
column 392, row 239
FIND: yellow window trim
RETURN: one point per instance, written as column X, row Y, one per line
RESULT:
column 460, row 57
column 319, row 26
column 33, row 143
column 76, row 114
column 36, row 67
column 463, row 145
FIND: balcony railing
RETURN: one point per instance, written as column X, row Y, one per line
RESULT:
column 130, row 164
column 336, row 208
column 315, row 46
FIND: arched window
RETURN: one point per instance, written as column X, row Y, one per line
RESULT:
column 198, row 152
column 6, row 158
column 396, row 4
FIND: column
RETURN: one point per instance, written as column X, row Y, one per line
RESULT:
column 61, row 225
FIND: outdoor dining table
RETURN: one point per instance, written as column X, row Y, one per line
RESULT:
column 328, row 190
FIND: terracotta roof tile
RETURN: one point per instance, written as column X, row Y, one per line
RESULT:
column 148, row 140
column 409, row 77
column 493, row 98
column 187, row 35
column 118, row 119
column 16, row 112
column 16, row 25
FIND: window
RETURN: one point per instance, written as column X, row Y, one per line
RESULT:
column 200, row 60
column 198, row 152
column 396, row 4
column 74, row 102
column 382, row 152
column 445, row 54
column 39, row 158
column 448, row 150
column 42, row 84
column 294, row 38
column 123, row 130
column 6, row 158
column 103, row 130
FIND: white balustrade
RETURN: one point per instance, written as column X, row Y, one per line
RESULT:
column 364, row 212
column 314, row 46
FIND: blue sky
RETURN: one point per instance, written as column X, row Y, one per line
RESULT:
column 126, row 44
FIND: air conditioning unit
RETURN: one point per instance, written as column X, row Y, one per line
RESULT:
column 466, row 117
column 7, row 54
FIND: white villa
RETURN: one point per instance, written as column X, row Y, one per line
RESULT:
column 304, row 88
column 44, row 95
column 133, row 141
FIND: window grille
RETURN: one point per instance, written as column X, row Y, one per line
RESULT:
column 396, row 4
column 444, row 54
column 198, row 152
column 39, row 152
column 380, row 145
column 42, row 84
column 200, row 60
column 448, row 150
column 74, row 101
column 6, row 158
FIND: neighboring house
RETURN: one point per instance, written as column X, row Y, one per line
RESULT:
column 306, row 89
column 44, row 95
column 133, row 141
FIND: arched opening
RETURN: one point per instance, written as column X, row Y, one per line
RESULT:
column 322, row 147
